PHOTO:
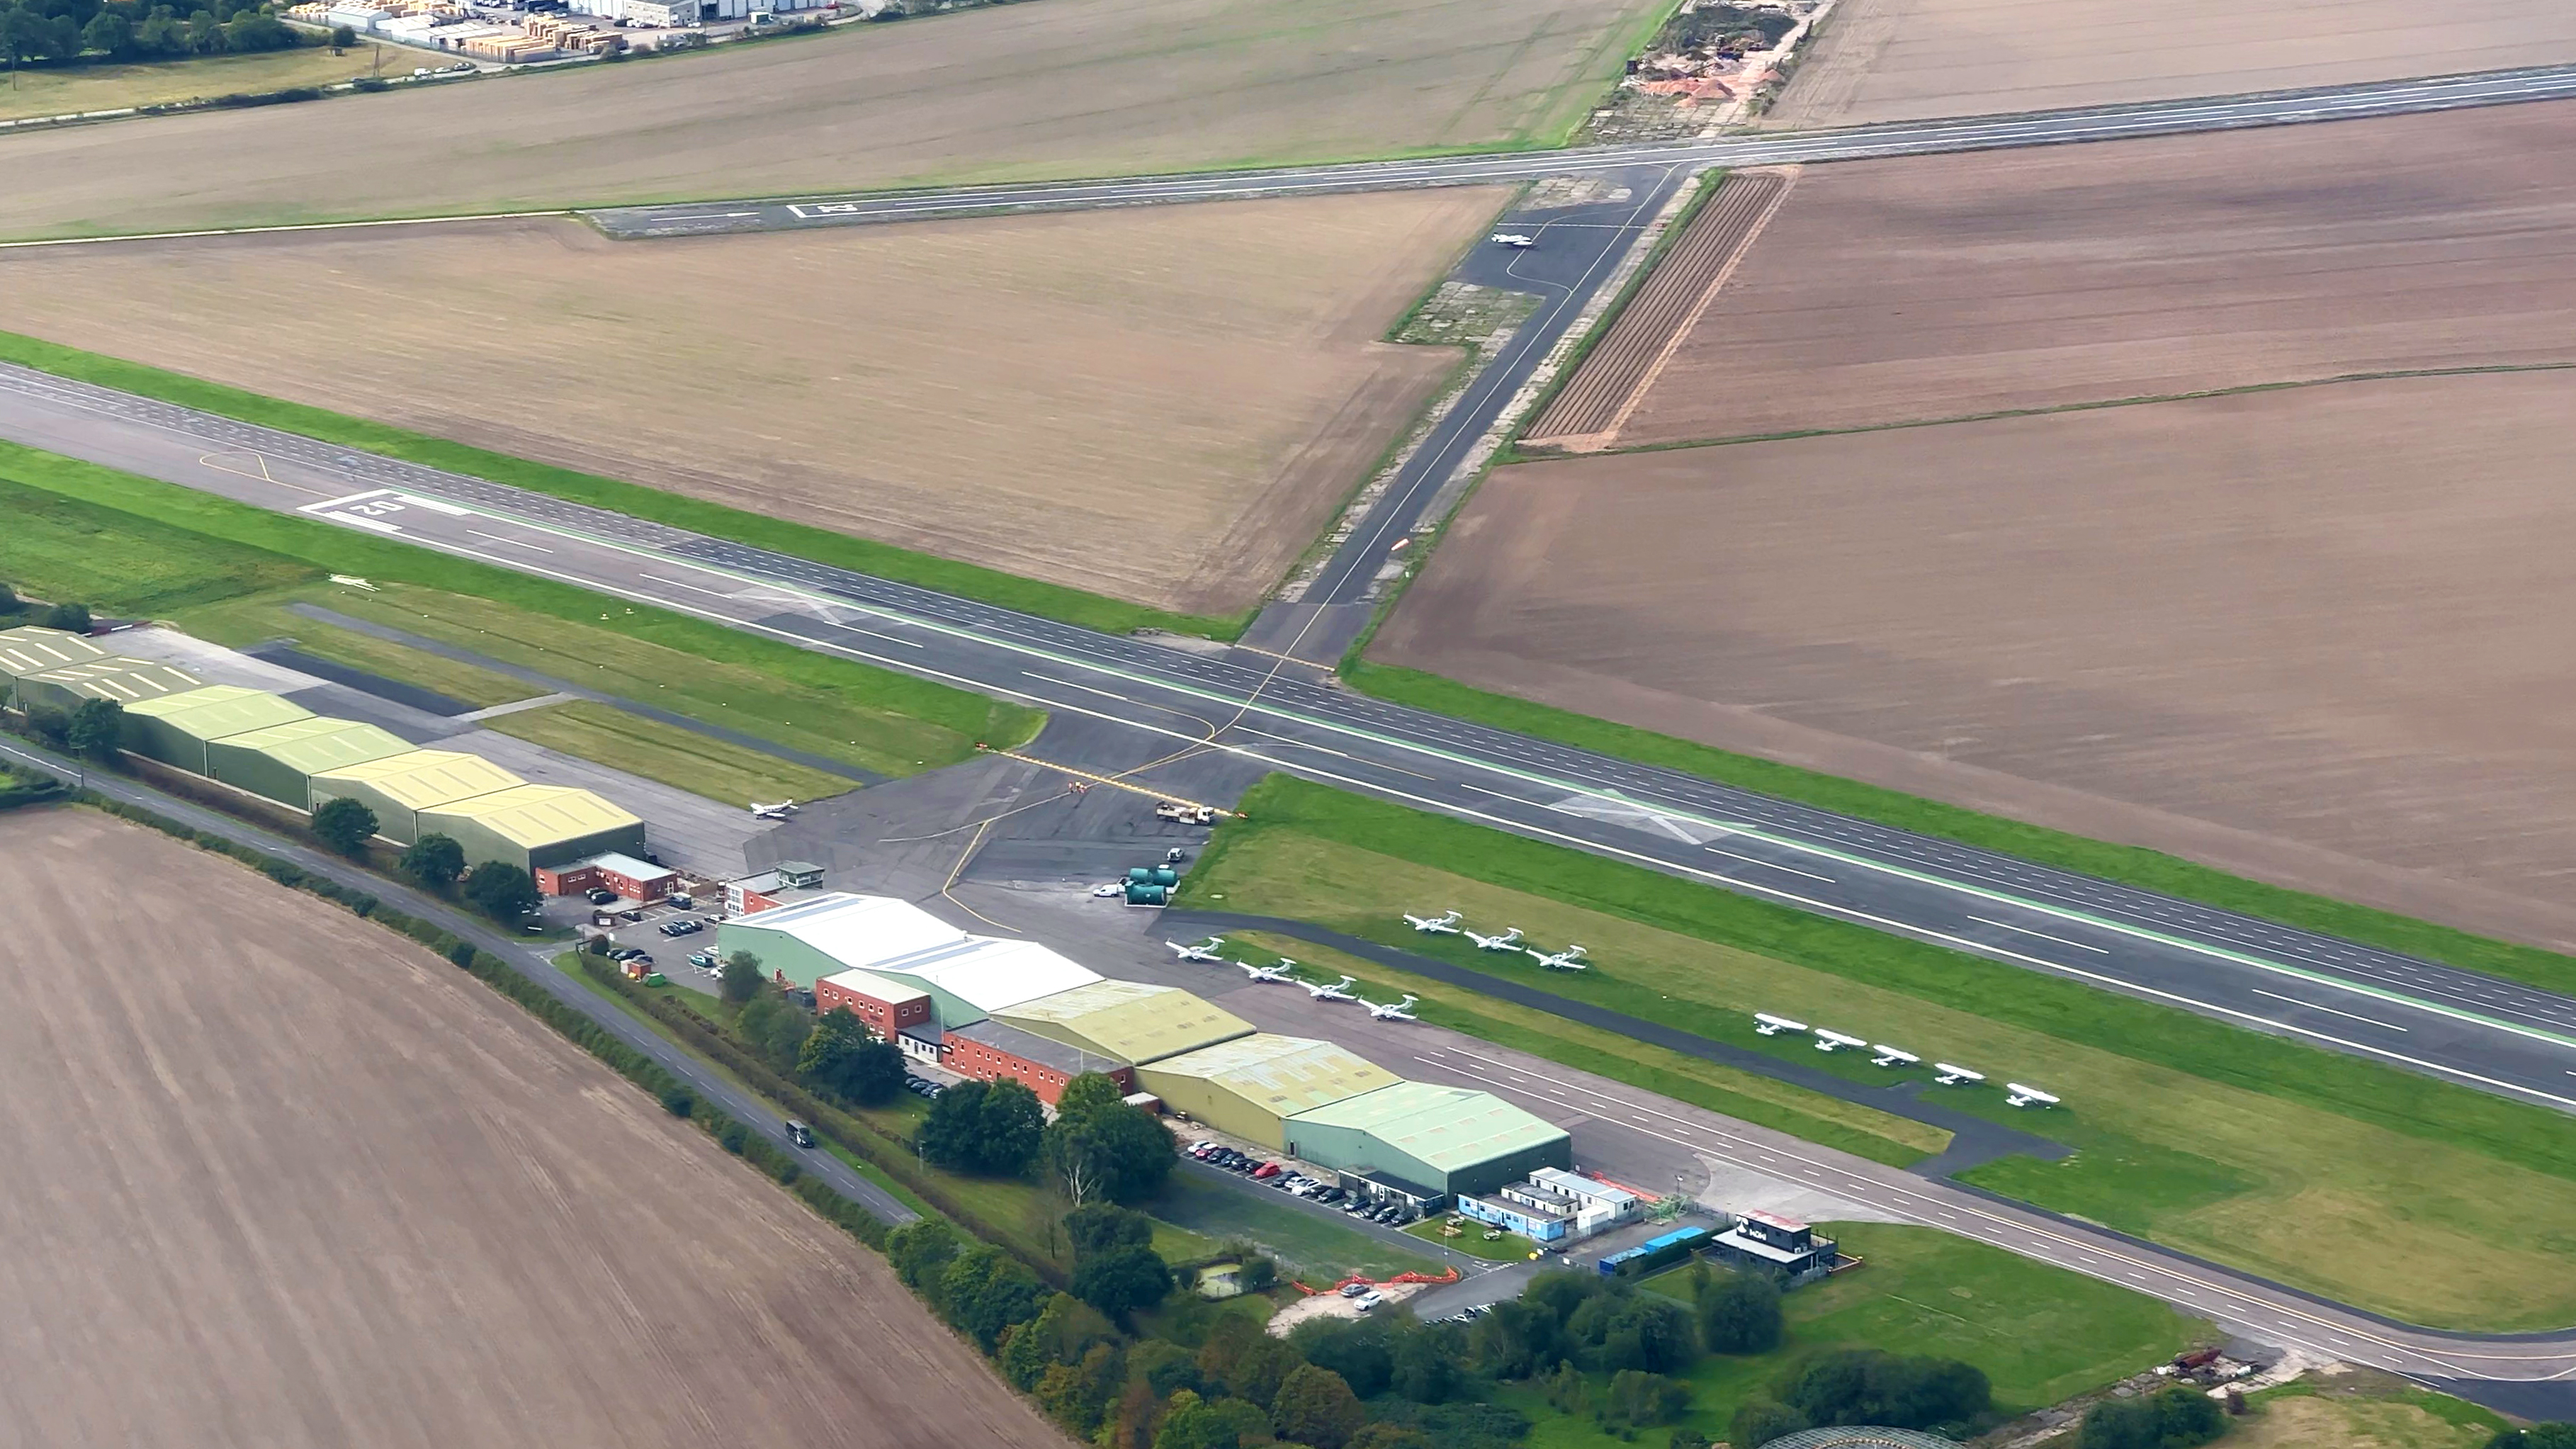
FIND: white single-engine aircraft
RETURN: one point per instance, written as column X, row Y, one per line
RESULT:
column 1515, row 240
column 1765, row 1024
column 2017, row 1095
column 1389, row 1010
column 1951, row 1076
column 1204, row 951
column 1569, row 959
column 1333, row 991
column 1828, row 1040
column 779, row 811
column 1509, row 940
column 1279, row 974
column 1445, row 924
column 1883, row 1055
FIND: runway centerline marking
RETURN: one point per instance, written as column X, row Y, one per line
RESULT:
column 2042, row 935
column 513, row 542
column 1757, row 860
column 2328, row 1010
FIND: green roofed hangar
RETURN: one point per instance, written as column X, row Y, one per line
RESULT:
column 281, row 761
column 399, row 787
column 31, row 650
column 1431, row 1140
column 177, row 728
column 1251, row 1086
column 126, row 681
column 533, row 825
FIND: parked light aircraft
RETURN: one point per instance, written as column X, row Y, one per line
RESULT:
column 1515, row 240
column 1883, row 1055
column 1389, row 1010
column 779, row 811
column 1765, row 1024
column 1509, row 940
column 1279, row 973
column 2017, row 1095
column 1204, row 951
column 1828, row 1040
column 1569, row 959
column 1445, row 924
column 1951, row 1076
column 1333, row 991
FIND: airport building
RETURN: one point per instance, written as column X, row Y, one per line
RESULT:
column 806, row 940
column 532, row 825
column 127, row 681
column 1552, row 1205
column 1251, row 1086
column 177, row 728
column 1427, row 1142
column 1129, row 1021
column 399, row 787
column 31, row 650
column 280, row 761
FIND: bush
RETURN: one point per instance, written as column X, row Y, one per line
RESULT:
column 679, row 1101
column 434, row 860
column 70, row 618
column 1635, row 1400
column 1871, row 1386
column 1738, row 1313
column 505, row 892
column 2174, row 1417
column 1122, row 1280
column 1760, row 1421
column 346, row 825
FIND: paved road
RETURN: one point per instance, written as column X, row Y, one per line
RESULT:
column 2046, row 128
column 534, row 965
column 1266, row 713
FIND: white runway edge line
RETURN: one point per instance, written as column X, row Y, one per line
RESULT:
column 1827, row 907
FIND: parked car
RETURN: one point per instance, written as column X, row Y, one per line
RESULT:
column 1267, row 1170
column 1354, row 1290
column 1369, row 1300
column 625, row 953
column 703, row 960
column 682, row 901
column 601, row 896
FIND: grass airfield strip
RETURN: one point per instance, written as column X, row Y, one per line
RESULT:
column 2375, row 1187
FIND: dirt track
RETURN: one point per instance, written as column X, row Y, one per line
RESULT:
column 1894, row 60
column 277, row 1179
column 1162, row 404
column 2316, row 635
column 1948, row 286
column 1052, row 88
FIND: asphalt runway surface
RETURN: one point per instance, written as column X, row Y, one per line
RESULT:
column 1151, row 701
column 2044, row 128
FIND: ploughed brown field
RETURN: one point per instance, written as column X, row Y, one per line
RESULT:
column 2315, row 635
column 1051, row 88
column 279, row 1178
column 1162, row 404
column 1896, row 60
column 1949, row 286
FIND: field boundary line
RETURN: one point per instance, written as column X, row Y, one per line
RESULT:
column 150, row 236
column 1707, row 298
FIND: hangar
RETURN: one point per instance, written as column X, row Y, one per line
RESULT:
column 1251, row 1086
column 176, row 728
column 28, row 649
column 281, row 760
column 532, row 825
column 1432, row 1141
column 399, row 787
column 976, row 976
column 811, row 939
column 1128, row 1020
column 111, row 676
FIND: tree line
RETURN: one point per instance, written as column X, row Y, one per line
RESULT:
column 71, row 32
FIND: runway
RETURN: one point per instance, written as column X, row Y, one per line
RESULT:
column 2046, row 128
column 1259, row 713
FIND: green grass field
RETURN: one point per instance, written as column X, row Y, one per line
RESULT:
column 2395, row 1192
column 2360, row 1409
column 1509, row 1248
column 1867, row 1132
column 59, row 92
column 2129, row 865
column 657, row 751
column 1053, row 601
column 180, row 547
column 1304, row 1243
column 2042, row 1334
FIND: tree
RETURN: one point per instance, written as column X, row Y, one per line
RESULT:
column 2174, row 1417
column 1064, row 1330
column 984, row 1127
column 1388, row 1436
column 1356, row 1349
column 776, row 1028
column 921, row 1253
column 1871, row 1386
column 1316, row 1407
column 346, row 825
column 1245, row 1361
column 984, row 1290
column 70, row 618
column 1100, row 1227
column 843, row 1056
column 2538, row 1436
column 1098, row 1146
column 1517, row 1339
column 1631, row 1330
column 342, row 37
column 1739, row 1313
column 96, row 729
column 1425, row 1367
column 256, row 30
column 741, row 980
column 1078, row 1395
column 1194, row 1423
column 434, row 860
column 1164, row 1366
column 10, row 603
column 1762, row 1420
column 1122, row 1280
column 1635, row 1400
column 503, row 891
column 110, row 33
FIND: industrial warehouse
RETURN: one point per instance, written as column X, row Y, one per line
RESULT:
column 265, row 745
column 990, row 1008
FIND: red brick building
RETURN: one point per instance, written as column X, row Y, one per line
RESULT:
column 637, row 880
column 887, row 1007
column 990, row 1051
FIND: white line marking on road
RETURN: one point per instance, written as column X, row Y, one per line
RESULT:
column 2328, row 1010
column 695, row 588
column 436, row 506
column 2043, row 935
column 513, row 542
column 1069, row 684
column 327, row 504
column 1774, row 865
column 354, row 521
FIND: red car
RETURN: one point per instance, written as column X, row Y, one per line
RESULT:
column 1267, row 1169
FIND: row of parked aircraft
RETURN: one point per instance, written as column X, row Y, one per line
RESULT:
column 1944, row 1073
column 1285, row 974
column 1572, row 958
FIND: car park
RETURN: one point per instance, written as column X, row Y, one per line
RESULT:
column 681, row 927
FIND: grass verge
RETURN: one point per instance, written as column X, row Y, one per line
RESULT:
column 1307, row 1243
column 2126, row 864
column 2396, row 1192
column 105, row 529
column 103, row 87
column 1470, row 1239
column 657, row 751
column 2360, row 1409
